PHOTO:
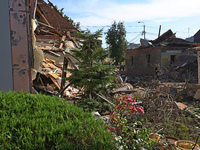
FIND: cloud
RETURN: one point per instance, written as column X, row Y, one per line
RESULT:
column 96, row 12
column 165, row 20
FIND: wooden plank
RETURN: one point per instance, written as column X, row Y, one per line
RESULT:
column 61, row 45
column 54, row 53
column 69, row 60
column 105, row 99
column 49, row 26
column 65, row 64
column 54, row 81
column 53, row 75
column 63, row 38
column 47, row 21
column 38, row 10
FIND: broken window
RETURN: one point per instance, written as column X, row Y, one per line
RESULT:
column 173, row 58
column 148, row 58
column 131, row 61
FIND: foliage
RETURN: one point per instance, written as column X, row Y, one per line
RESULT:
column 97, row 105
column 127, row 129
column 184, row 128
column 94, row 74
column 44, row 122
column 75, row 24
column 167, row 119
column 116, row 40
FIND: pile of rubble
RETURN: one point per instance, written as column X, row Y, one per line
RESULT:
column 52, row 45
column 185, row 68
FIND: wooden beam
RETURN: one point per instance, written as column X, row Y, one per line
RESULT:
column 105, row 99
column 64, row 74
column 47, row 22
column 69, row 60
column 37, row 9
column 54, row 81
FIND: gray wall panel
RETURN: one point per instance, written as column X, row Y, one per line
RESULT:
column 6, row 82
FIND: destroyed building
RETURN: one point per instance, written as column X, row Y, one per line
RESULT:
column 48, row 16
column 40, row 50
column 195, row 38
column 163, row 52
column 54, row 38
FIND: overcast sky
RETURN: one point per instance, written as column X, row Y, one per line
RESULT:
column 181, row 16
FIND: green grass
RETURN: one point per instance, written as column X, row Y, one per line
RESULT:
column 40, row 122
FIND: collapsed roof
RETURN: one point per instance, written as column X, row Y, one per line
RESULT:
column 49, row 15
column 167, row 39
column 163, row 37
column 53, row 40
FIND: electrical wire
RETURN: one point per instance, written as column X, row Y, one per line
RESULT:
column 136, row 37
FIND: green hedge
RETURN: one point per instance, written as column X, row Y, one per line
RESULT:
column 40, row 122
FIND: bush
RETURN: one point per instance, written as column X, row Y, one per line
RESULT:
column 127, row 129
column 44, row 122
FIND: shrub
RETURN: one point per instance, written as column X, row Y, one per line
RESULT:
column 43, row 122
column 126, row 126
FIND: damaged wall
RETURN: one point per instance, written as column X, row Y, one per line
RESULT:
column 142, row 61
column 17, row 48
column 169, row 56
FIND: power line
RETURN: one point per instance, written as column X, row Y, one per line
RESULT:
column 97, row 26
column 133, row 32
column 136, row 37
column 152, row 27
column 151, row 33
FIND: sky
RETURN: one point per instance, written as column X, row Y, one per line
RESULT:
column 181, row 16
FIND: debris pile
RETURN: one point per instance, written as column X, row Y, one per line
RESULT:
column 166, row 58
column 185, row 68
column 52, row 45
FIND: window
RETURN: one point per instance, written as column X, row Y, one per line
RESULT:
column 148, row 58
column 173, row 58
column 131, row 61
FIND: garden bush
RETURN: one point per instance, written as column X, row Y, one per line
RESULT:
column 127, row 128
column 40, row 122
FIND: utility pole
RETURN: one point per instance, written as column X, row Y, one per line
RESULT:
column 143, row 29
column 188, row 32
column 159, row 31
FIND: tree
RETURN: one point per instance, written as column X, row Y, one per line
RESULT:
column 94, row 73
column 75, row 24
column 117, row 43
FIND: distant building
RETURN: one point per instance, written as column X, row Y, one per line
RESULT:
column 163, row 51
column 133, row 45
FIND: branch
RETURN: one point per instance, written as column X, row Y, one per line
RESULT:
column 104, row 99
